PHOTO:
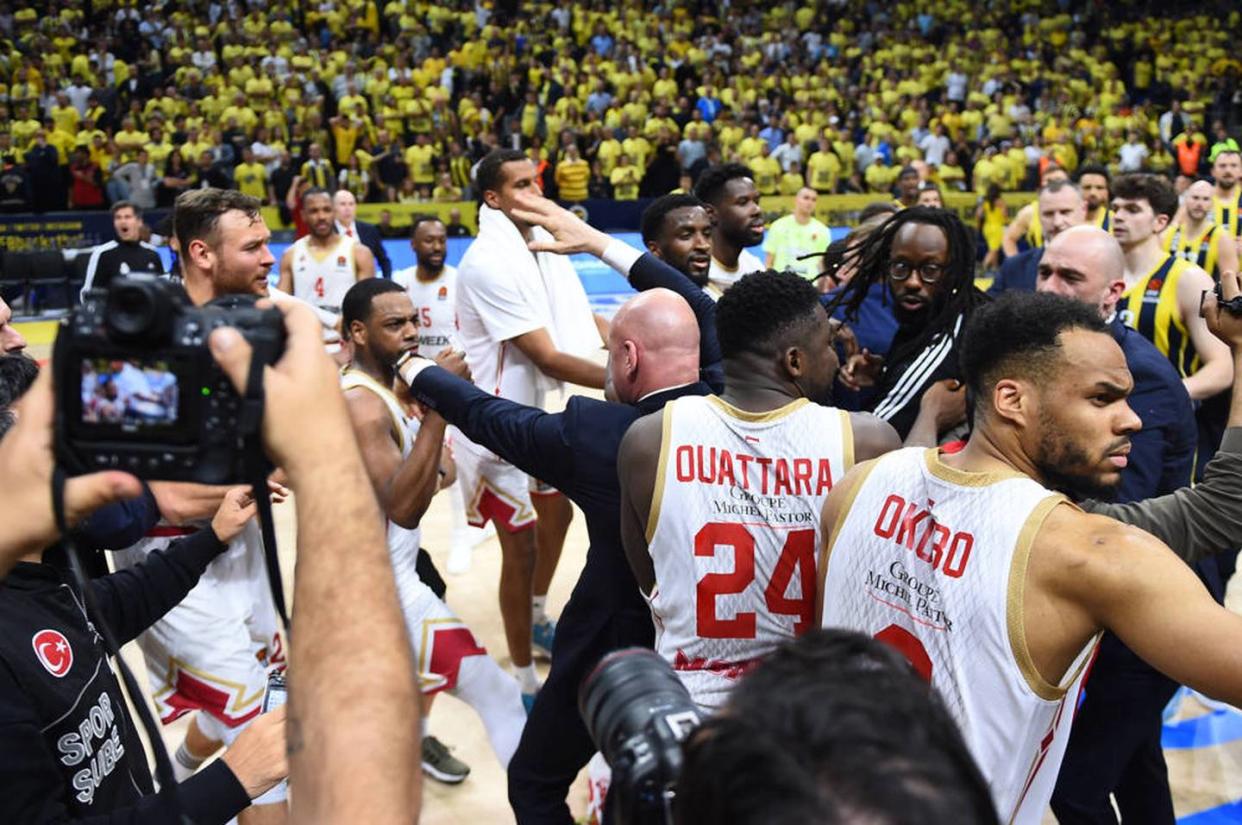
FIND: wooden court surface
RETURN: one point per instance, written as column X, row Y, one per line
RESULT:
column 1203, row 778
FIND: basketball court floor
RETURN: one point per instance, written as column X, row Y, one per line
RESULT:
column 1203, row 745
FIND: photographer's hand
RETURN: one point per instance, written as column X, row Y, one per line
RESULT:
column 27, row 524
column 258, row 757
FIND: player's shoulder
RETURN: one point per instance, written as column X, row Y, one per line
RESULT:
column 1089, row 540
column 404, row 277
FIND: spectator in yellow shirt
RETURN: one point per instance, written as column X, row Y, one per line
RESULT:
column 625, row 178
column 767, row 171
column 445, row 191
column 251, row 178
column 791, row 181
column 572, row 175
column 823, row 169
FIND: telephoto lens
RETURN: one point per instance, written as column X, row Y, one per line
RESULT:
column 638, row 713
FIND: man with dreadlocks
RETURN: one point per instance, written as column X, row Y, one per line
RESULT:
column 924, row 257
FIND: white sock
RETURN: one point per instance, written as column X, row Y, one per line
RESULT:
column 538, row 605
column 185, row 763
column 482, row 684
column 422, row 727
column 527, row 679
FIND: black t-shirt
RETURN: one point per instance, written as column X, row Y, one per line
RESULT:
column 121, row 258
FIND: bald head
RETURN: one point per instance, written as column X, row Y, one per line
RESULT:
column 344, row 206
column 653, row 344
column 1086, row 263
column 1198, row 200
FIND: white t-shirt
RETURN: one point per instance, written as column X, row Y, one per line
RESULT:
column 436, row 304
column 722, row 278
column 935, row 147
column 491, row 310
column 1133, row 155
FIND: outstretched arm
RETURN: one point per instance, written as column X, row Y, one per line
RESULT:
column 572, row 235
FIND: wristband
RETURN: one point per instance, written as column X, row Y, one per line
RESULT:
column 411, row 364
column 620, row 256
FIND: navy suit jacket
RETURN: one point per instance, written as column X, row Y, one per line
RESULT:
column 1162, row 454
column 575, row 451
column 1018, row 272
column 369, row 236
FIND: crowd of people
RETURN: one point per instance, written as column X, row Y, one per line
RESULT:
column 1027, row 485
column 397, row 101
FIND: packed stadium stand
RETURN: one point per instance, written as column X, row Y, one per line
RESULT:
column 396, row 101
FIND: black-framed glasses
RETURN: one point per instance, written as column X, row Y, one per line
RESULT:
column 929, row 271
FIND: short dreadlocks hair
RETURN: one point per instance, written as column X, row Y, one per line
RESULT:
column 873, row 257
column 760, row 312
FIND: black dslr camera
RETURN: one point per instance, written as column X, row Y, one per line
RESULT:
column 638, row 713
column 137, row 389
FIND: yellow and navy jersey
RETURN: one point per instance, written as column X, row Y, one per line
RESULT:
column 1225, row 214
column 1202, row 251
column 1150, row 306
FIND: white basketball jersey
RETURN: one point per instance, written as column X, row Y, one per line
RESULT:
column 323, row 278
column 932, row 560
column 733, row 532
column 402, row 543
column 721, row 278
column 436, row 305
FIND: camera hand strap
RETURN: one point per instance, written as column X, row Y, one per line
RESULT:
column 251, row 421
column 163, row 766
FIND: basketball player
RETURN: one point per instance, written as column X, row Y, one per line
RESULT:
column 718, row 492
column 1227, row 196
column 1003, row 613
column 213, row 651
column 432, row 286
column 526, row 327
column 677, row 229
column 1163, row 292
column 321, row 267
column 402, row 458
column 1196, row 237
column 1093, row 181
column 1025, row 224
column 730, row 194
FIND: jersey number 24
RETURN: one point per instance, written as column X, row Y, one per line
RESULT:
column 797, row 556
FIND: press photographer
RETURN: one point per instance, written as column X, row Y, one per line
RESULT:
column 353, row 706
column 71, row 751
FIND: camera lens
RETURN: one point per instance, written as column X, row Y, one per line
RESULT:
column 139, row 309
column 624, row 691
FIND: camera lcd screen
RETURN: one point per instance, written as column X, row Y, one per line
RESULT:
column 133, row 394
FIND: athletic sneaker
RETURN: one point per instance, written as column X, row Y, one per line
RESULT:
column 542, row 634
column 441, row 765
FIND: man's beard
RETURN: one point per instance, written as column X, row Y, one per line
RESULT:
column 427, row 266
column 1056, row 459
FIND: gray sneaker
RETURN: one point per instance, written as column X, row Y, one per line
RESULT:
column 441, row 765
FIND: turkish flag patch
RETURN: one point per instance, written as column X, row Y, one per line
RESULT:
column 53, row 651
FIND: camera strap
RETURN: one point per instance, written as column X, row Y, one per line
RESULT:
column 251, row 423
column 168, row 787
